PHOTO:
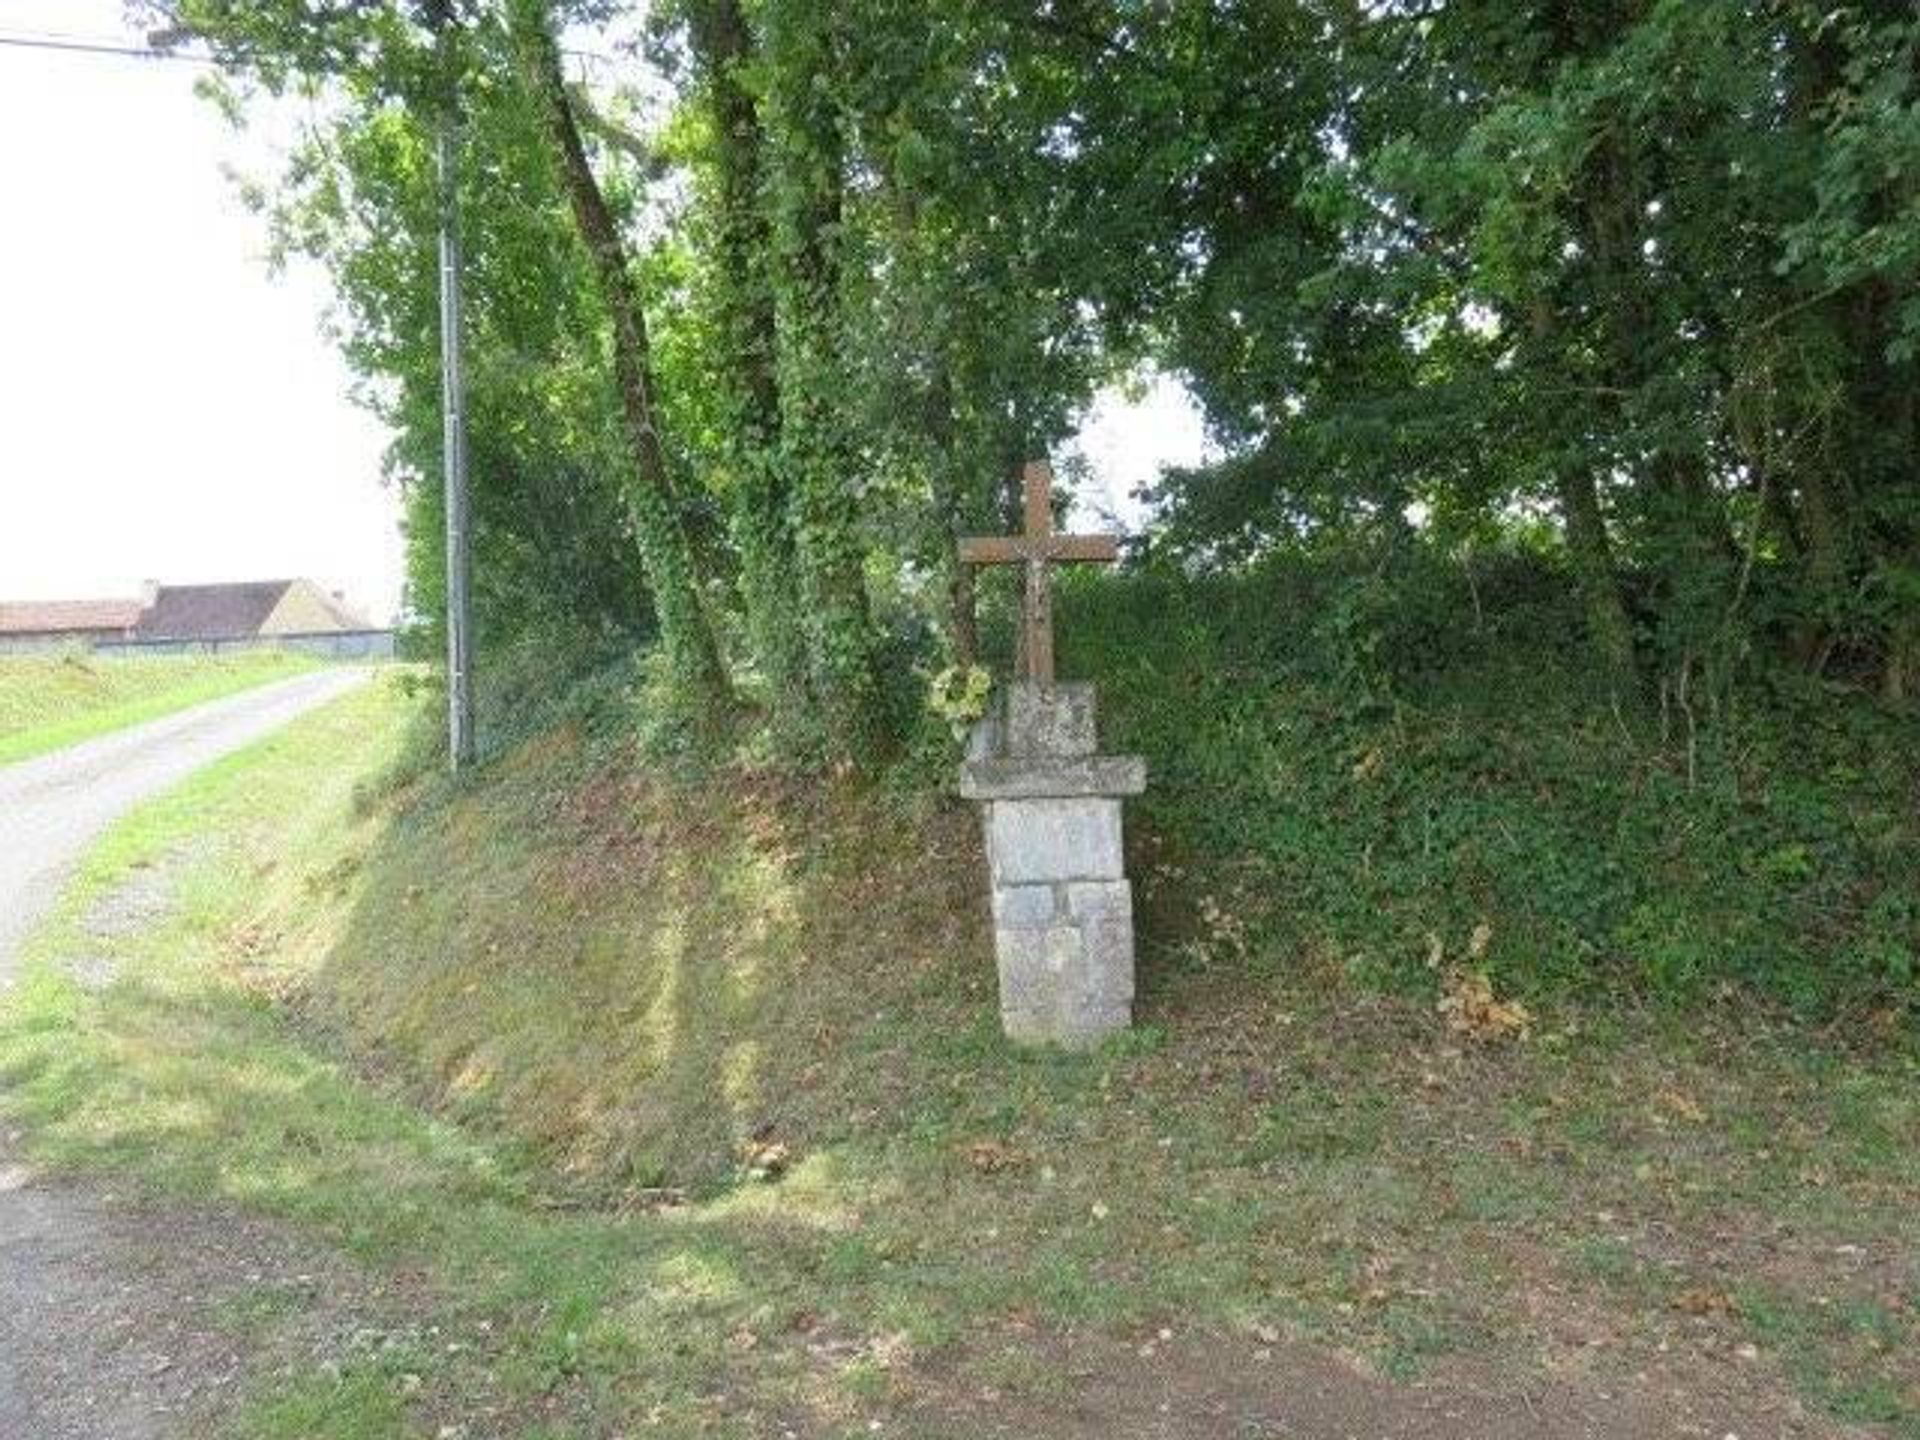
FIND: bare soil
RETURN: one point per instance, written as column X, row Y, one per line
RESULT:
column 1223, row 1388
column 125, row 1319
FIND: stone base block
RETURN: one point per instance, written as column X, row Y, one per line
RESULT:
column 1049, row 721
column 1083, row 1030
column 1062, row 908
column 1043, row 841
column 1065, row 953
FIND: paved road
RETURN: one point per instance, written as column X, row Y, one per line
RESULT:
column 95, row 1342
column 52, row 806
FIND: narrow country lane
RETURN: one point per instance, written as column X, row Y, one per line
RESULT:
column 53, row 805
column 94, row 1342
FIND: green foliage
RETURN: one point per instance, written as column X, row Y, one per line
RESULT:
column 1647, row 265
column 1351, row 767
column 1533, row 335
column 552, row 555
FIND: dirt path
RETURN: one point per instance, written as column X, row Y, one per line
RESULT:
column 52, row 806
column 106, row 1309
column 1202, row 1387
column 126, row 1320
column 87, row 1353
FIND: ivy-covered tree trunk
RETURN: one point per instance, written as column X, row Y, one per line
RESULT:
column 816, row 375
column 927, row 386
column 950, row 490
column 1584, row 525
column 1688, row 552
column 1892, row 401
column 686, row 632
column 1823, row 529
column 1593, row 568
column 761, row 521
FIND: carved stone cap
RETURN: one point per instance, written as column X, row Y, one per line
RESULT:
column 1045, row 720
column 1052, row 777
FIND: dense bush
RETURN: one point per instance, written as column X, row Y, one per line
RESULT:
column 1353, row 765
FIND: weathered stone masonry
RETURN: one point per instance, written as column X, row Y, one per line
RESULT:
column 1062, row 905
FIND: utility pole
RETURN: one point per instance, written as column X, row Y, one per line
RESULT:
column 453, row 405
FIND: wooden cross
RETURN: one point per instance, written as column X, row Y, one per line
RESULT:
column 1036, row 549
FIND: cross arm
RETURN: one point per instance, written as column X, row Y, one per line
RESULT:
column 1016, row 549
column 1094, row 549
column 993, row 550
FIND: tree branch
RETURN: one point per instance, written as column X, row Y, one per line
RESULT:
column 611, row 132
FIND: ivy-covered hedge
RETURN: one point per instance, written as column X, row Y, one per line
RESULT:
column 1359, row 767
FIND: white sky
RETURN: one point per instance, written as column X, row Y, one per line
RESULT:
column 169, row 409
column 1127, row 440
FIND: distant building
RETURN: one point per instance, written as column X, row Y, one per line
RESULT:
column 297, row 614
column 26, row 624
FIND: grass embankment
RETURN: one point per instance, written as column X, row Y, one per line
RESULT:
column 47, row 701
column 743, row 1149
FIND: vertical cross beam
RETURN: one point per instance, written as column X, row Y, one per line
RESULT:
column 1035, row 550
column 1036, row 598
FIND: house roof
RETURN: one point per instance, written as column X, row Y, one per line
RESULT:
column 211, row 612
column 45, row 617
column 179, row 612
column 344, row 615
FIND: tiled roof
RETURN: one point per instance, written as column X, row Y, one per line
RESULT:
column 45, row 617
column 177, row 612
column 211, row 612
column 344, row 615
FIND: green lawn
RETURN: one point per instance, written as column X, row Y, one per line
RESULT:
column 681, row 1109
column 47, row 701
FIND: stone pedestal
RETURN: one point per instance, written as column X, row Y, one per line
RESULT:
column 1062, row 906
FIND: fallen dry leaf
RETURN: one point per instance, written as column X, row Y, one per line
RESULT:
column 990, row 1157
column 1703, row 1300
column 1471, row 1008
column 765, row 1159
column 1676, row 1102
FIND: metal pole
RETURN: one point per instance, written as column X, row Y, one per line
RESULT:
column 453, row 402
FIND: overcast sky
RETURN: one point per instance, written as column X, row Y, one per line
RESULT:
column 169, row 409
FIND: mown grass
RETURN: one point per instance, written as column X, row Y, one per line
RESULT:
column 48, row 701
column 685, row 1103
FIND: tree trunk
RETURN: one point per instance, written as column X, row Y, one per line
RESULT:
column 1607, row 623
column 1825, row 565
column 1692, row 563
column 665, row 550
column 949, row 496
column 814, row 377
column 1895, row 408
column 761, row 524
column 1608, row 626
column 946, row 468
column 1900, row 676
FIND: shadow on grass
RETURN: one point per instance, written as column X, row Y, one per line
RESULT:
column 718, row 1126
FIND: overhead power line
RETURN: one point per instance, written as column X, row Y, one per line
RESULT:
column 84, row 45
column 75, row 44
